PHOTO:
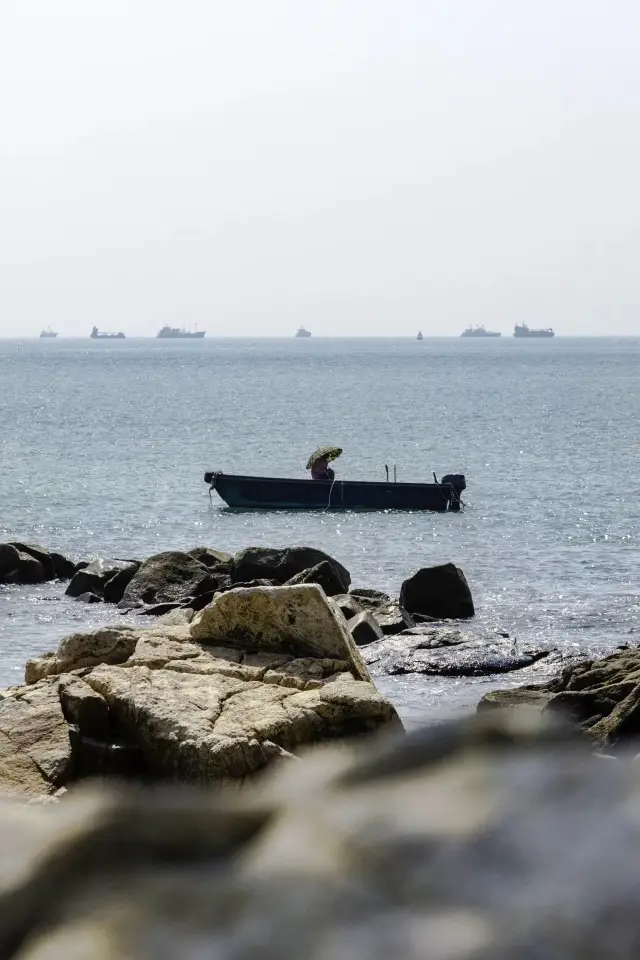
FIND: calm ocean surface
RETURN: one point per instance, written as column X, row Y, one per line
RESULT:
column 104, row 446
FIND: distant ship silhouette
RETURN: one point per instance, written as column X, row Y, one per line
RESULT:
column 303, row 333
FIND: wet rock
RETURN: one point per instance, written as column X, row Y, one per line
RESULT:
column 281, row 565
column 64, row 568
column 93, row 578
column 115, row 587
column 602, row 697
column 364, row 629
column 167, row 578
column 9, row 562
column 325, row 575
column 475, row 841
column 450, row 653
column 440, row 592
column 40, row 554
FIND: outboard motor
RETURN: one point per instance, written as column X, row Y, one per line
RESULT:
column 457, row 483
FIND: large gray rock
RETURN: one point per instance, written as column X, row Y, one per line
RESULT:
column 167, row 578
column 479, row 841
column 256, row 563
column 440, row 592
column 94, row 577
column 210, row 702
column 448, row 652
column 296, row 620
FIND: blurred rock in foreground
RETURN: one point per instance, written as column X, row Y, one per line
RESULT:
column 492, row 839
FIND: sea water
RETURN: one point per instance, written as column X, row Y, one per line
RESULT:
column 104, row 446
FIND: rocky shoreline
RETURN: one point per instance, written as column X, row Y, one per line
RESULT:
column 371, row 844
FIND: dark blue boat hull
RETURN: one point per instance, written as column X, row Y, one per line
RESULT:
column 277, row 493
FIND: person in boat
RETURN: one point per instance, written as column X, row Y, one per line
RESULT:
column 320, row 470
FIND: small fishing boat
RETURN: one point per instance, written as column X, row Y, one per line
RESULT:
column 280, row 493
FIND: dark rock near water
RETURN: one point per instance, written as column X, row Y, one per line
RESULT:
column 115, row 587
column 28, row 563
column 441, row 592
column 602, row 697
column 364, row 629
column 325, row 575
column 41, row 555
column 63, row 567
column 256, row 563
column 449, row 652
column 167, row 578
column 9, row 562
column 93, row 578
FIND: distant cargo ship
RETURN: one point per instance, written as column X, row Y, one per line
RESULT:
column 419, row 337
column 176, row 333
column 522, row 330
column 303, row 333
column 96, row 335
column 479, row 332
column 48, row 334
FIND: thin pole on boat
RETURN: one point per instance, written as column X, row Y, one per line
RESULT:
column 387, row 469
column 395, row 475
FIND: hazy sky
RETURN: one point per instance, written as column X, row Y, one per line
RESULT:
column 359, row 166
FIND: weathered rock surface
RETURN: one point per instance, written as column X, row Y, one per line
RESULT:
column 601, row 696
column 256, row 563
column 325, row 575
column 94, row 577
column 167, row 578
column 108, row 645
column 440, row 592
column 35, row 752
column 449, row 652
column 258, row 674
column 483, row 841
column 298, row 620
